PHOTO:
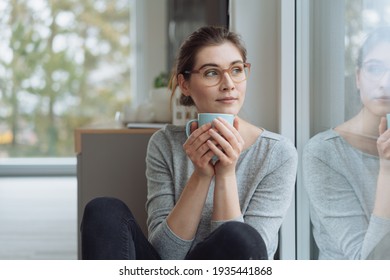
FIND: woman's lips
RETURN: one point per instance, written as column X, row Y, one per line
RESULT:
column 383, row 98
column 227, row 100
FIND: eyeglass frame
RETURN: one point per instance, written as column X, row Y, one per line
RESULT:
column 247, row 65
column 372, row 76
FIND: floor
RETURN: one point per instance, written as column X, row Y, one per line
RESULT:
column 38, row 218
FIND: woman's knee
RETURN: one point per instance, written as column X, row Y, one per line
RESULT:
column 105, row 210
column 231, row 241
column 104, row 229
column 238, row 230
column 104, row 204
column 243, row 237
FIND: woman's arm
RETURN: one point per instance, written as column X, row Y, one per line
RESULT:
column 184, row 218
column 167, row 167
column 227, row 145
column 382, row 201
column 271, row 200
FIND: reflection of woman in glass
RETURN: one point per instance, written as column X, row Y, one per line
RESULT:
column 347, row 169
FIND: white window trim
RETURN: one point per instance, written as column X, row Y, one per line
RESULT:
column 287, row 114
column 303, row 123
column 15, row 167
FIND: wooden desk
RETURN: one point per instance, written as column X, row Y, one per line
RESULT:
column 111, row 162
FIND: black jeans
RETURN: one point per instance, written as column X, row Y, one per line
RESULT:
column 110, row 232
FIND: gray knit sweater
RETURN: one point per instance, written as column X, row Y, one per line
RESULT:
column 341, row 184
column 265, row 172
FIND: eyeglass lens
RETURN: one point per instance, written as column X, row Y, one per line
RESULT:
column 375, row 71
column 214, row 75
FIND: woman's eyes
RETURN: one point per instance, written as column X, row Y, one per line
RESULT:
column 236, row 70
column 216, row 72
column 211, row 73
column 376, row 68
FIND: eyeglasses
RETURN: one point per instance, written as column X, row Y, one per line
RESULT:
column 374, row 70
column 213, row 75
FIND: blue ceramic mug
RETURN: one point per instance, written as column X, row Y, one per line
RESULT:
column 388, row 121
column 204, row 118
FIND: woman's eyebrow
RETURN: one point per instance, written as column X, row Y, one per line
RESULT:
column 373, row 60
column 216, row 65
column 209, row 65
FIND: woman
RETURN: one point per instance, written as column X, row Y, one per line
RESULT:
column 232, row 209
column 346, row 170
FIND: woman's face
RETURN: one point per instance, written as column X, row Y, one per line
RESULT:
column 373, row 80
column 227, row 96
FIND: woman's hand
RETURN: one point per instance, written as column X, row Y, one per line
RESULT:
column 382, row 205
column 198, row 151
column 227, row 144
column 383, row 142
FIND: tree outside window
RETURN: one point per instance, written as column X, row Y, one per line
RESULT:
column 63, row 64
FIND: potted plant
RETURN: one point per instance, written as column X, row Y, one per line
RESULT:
column 160, row 98
column 161, row 81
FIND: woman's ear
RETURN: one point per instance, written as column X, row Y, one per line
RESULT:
column 183, row 84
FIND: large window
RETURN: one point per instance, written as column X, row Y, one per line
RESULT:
column 343, row 92
column 63, row 64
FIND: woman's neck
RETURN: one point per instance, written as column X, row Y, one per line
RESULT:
column 248, row 132
column 361, row 131
column 364, row 123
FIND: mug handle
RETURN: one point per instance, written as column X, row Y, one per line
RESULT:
column 188, row 126
column 388, row 120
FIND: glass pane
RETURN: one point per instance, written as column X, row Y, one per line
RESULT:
column 346, row 163
column 63, row 64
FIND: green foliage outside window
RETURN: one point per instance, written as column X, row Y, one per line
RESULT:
column 63, row 64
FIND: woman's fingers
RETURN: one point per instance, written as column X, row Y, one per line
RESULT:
column 196, row 147
column 383, row 142
column 382, row 126
column 226, row 142
column 230, row 133
column 198, row 135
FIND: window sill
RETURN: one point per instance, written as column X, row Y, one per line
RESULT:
column 10, row 167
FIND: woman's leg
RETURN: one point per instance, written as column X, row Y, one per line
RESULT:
column 110, row 232
column 231, row 241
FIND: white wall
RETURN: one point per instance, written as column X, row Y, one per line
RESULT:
column 258, row 23
column 151, row 49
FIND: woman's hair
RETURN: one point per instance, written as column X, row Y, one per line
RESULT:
column 203, row 37
column 379, row 35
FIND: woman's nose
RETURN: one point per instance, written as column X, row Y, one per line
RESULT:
column 227, row 82
column 385, row 80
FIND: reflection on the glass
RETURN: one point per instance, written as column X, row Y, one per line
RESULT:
column 346, row 169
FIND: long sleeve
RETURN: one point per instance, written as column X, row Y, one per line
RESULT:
column 268, row 205
column 341, row 190
column 265, row 180
column 162, row 197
